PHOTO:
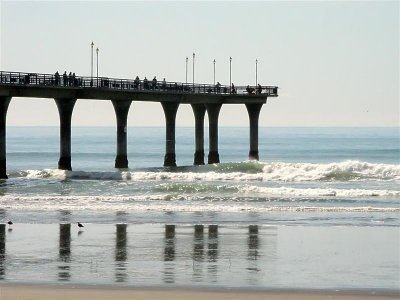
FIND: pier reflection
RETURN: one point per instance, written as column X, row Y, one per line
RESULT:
column 198, row 251
column 169, row 254
column 2, row 250
column 253, row 243
column 65, row 216
column 213, row 252
column 64, row 252
column 121, row 253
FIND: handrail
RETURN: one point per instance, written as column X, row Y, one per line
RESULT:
column 73, row 81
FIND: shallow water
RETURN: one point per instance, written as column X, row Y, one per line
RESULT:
column 222, row 256
column 325, row 200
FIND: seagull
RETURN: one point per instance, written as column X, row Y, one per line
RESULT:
column 80, row 225
column 10, row 222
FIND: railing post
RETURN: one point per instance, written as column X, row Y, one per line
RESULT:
column 4, row 102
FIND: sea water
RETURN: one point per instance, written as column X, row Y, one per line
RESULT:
column 325, row 202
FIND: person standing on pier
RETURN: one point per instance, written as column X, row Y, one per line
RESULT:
column 136, row 82
column 145, row 83
column 154, row 83
column 164, row 85
column 65, row 78
column 57, row 78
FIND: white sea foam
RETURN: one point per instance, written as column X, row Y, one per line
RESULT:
column 243, row 171
column 147, row 203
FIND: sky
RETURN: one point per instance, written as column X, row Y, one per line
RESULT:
column 336, row 63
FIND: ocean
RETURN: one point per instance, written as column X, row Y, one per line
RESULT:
column 322, row 205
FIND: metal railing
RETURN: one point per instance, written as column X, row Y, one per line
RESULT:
column 73, row 81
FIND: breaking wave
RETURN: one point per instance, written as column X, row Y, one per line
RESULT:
column 242, row 171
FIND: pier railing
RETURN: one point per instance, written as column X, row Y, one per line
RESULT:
column 73, row 81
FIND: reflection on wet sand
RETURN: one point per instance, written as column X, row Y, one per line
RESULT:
column 198, row 251
column 213, row 252
column 2, row 250
column 65, row 216
column 169, row 254
column 253, row 242
column 64, row 252
column 121, row 253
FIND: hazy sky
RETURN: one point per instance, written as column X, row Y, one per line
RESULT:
column 336, row 63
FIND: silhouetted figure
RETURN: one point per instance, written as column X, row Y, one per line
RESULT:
column 164, row 84
column 233, row 89
column 218, row 87
column 154, row 83
column 65, row 78
column 57, row 78
column 250, row 90
column 145, row 83
column 259, row 89
column 80, row 225
column 136, row 82
column 70, row 78
column 73, row 79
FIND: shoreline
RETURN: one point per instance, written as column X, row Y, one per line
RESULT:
column 32, row 291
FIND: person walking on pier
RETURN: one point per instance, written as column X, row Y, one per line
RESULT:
column 259, row 89
column 218, row 87
column 164, row 85
column 70, row 78
column 233, row 89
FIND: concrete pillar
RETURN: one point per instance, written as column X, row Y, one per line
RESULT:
column 199, row 111
column 65, row 107
column 213, row 113
column 254, row 112
column 121, row 112
column 170, row 109
column 4, row 102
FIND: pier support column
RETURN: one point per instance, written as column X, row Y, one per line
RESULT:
column 254, row 112
column 121, row 111
column 4, row 102
column 199, row 111
column 170, row 109
column 65, row 107
column 213, row 113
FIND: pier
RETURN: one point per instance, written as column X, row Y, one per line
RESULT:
column 203, row 98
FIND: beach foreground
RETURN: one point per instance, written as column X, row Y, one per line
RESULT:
column 44, row 292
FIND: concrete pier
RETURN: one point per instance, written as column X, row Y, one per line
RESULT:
column 202, row 98
column 4, row 102
column 65, row 107
column 199, row 111
column 253, row 110
column 170, row 109
column 213, row 114
column 121, row 112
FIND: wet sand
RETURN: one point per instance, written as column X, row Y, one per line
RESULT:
column 55, row 292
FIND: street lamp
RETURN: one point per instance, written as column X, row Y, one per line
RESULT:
column 193, row 69
column 187, row 59
column 256, row 72
column 230, row 74
column 97, row 64
column 214, row 70
column 91, row 65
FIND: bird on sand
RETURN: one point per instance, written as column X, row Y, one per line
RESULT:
column 10, row 222
column 80, row 225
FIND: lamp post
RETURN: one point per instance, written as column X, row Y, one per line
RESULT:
column 193, row 69
column 97, row 65
column 91, row 65
column 214, row 70
column 187, row 59
column 256, row 72
column 230, row 75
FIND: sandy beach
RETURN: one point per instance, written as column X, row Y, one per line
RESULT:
column 54, row 292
